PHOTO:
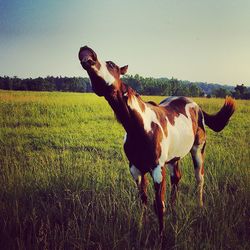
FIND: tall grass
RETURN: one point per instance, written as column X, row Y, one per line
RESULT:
column 65, row 182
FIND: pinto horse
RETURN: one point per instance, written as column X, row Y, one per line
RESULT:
column 156, row 135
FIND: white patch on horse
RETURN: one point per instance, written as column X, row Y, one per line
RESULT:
column 104, row 73
column 188, row 107
column 148, row 115
column 157, row 174
column 136, row 173
column 180, row 135
column 164, row 149
column 203, row 120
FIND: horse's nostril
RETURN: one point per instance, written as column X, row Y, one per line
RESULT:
column 90, row 62
column 87, row 62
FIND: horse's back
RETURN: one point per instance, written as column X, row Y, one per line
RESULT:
column 176, row 100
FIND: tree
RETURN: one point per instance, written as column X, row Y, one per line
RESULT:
column 240, row 91
column 221, row 92
column 134, row 81
column 194, row 90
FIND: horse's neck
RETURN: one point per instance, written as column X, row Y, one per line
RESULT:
column 127, row 106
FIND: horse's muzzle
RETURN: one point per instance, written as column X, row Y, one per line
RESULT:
column 87, row 57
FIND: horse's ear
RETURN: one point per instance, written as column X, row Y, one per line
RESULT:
column 123, row 70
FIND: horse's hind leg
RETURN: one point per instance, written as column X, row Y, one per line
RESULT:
column 198, row 153
column 175, row 176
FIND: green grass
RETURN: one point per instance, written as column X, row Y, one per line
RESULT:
column 65, row 182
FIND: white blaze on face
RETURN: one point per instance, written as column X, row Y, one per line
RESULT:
column 104, row 73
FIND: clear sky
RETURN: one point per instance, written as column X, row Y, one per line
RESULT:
column 194, row 40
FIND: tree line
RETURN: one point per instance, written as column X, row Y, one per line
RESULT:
column 239, row 92
column 143, row 85
column 49, row 83
column 163, row 86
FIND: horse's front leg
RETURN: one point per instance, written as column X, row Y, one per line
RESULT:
column 141, row 181
column 159, row 177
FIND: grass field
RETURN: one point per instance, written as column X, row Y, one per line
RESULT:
column 65, row 181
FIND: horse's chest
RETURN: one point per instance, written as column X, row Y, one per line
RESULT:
column 141, row 152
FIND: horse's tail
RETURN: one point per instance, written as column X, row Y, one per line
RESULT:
column 219, row 120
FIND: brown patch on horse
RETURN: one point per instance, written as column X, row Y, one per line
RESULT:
column 143, row 189
column 194, row 118
column 157, row 138
column 144, row 149
column 130, row 94
column 177, row 174
column 175, row 107
column 174, row 179
column 161, row 117
column 200, row 135
column 141, row 104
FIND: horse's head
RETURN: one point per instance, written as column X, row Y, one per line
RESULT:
column 104, row 76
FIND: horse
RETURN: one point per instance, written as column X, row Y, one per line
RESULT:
column 157, row 135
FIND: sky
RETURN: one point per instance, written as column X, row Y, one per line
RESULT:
column 193, row 40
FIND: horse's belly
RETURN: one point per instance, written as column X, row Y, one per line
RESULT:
column 180, row 138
